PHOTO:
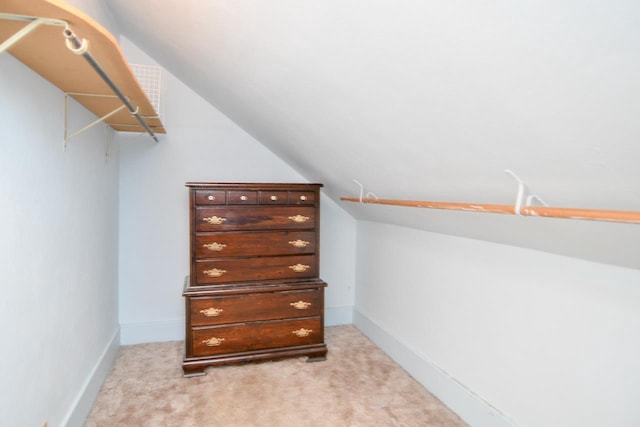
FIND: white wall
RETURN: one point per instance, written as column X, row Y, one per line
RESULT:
column 201, row 145
column 58, row 254
column 59, row 222
column 547, row 340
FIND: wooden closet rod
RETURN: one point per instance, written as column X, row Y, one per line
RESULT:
column 571, row 213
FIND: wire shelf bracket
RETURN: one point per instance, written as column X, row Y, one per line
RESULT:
column 33, row 23
column 68, row 136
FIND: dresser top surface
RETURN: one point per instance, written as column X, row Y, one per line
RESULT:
column 254, row 185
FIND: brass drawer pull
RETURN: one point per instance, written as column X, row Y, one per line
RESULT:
column 299, row 268
column 213, row 341
column 299, row 218
column 214, row 272
column 302, row 332
column 299, row 243
column 212, row 312
column 214, row 220
column 215, row 246
column 300, row 305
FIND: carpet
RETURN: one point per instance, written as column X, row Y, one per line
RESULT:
column 357, row 386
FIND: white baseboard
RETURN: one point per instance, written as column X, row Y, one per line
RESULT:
column 173, row 330
column 470, row 407
column 91, row 387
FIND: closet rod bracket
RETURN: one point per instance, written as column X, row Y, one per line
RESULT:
column 362, row 195
column 522, row 193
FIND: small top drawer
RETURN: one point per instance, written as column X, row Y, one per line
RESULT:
column 242, row 197
column 211, row 197
column 302, row 197
column 273, row 197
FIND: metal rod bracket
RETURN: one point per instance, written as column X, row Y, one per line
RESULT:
column 522, row 193
column 362, row 195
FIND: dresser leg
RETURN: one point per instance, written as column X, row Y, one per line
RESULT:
column 193, row 371
column 317, row 357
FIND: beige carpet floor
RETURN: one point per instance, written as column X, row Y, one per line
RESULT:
column 358, row 385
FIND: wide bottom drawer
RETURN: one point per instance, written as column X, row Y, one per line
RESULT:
column 219, row 310
column 240, row 337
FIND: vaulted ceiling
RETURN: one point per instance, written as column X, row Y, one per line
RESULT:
column 428, row 100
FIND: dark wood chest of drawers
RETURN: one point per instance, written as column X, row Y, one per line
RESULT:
column 253, row 292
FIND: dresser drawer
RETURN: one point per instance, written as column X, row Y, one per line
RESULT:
column 243, row 197
column 273, row 197
column 255, row 218
column 215, row 245
column 252, row 307
column 251, row 269
column 211, row 197
column 302, row 197
column 256, row 336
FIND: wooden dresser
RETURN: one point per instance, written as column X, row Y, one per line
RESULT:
column 253, row 292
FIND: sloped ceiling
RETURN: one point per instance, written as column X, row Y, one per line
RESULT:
column 429, row 100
